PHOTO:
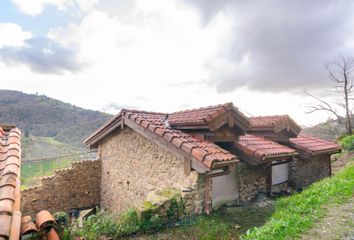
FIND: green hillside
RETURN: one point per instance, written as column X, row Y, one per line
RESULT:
column 38, row 115
column 329, row 130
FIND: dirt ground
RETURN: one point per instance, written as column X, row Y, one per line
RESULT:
column 339, row 161
column 338, row 224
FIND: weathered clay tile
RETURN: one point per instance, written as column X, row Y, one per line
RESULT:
column 10, row 160
column 196, row 116
column 44, row 220
column 8, row 179
column 11, row 169
column 187, row 147
column 198, row 153
column 273, row 123
column 28, row 226
column 5, row 225
column 13, row 160
column 312, row 145
column 259, row 147
column 7, row 192
column 6, row 206
column 15, row 225
column 160, row 131
column 13, row 152
column 178, row 141
column 52, row 235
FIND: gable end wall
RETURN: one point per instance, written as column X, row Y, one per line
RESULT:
column 132, row 166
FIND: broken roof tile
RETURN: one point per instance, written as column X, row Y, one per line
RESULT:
column 44, row 220
column 28, row 226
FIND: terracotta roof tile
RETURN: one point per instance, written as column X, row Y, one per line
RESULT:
column 260, row 148
column 201, row 116
column 10, row 161
column 275, row 123
column 196, row 147
column 28, row 226
column 5, row 225
column 312, row 145
column 44, row 220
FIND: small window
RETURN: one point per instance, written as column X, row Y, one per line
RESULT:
column 280, row 173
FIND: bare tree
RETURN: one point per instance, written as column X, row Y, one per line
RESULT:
column 341, row 74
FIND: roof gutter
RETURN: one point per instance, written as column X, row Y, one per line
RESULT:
column 280, row 156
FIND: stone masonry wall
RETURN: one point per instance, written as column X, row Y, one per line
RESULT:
column 75, row 187
column 303, row 172
column 252, row 180
column 194, row 200
column 132, row 166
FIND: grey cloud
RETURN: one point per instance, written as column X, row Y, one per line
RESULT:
column 116, row 7
column 287, row 42
column 42, row 55
column 118, row 107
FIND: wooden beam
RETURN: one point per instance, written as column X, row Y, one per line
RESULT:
column 248, row 159
column 197, row 165
column 187, row 166
column 219, row 121
column 231, row 121
column 92, row 143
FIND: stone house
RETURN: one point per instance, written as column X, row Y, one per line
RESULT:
column 213, row 155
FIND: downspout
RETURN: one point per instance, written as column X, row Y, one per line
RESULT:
column 210, row 175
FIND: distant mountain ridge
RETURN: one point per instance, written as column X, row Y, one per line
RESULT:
column 39, row 115
column 330, row 130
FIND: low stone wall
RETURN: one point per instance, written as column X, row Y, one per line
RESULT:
column 303, row 172
column 75, row 187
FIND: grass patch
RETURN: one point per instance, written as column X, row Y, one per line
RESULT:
column 32, row 172
column 297, row 213
column 35, row 147
column 104, row 225
column 227, row 223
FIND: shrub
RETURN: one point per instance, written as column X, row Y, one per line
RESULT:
column 111, row 226
column 347, row 142
column 114, row 226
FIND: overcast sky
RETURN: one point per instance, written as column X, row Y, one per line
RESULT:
column 168, row 55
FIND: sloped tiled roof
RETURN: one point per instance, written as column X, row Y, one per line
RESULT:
column 203, row 151
column 10, row 161
column 203, row 116
column 261, row 149
column 313, row 146
column 274, row 123
column 169, row 128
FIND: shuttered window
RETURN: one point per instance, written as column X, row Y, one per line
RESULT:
column 280, row 173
